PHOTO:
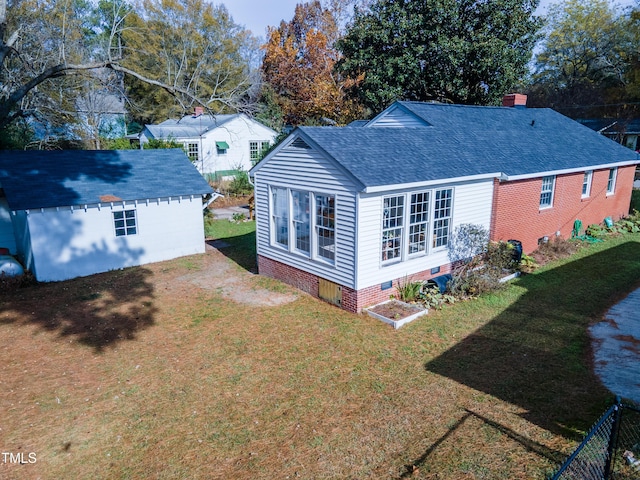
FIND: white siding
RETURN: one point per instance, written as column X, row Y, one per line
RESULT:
column 67, row 244
column 471, row 204
column 396, row 117
column 306, row 169
column 237, row 133
column 7, row 237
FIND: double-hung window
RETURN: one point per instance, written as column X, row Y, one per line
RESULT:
column 303, row 222
column 586, row 183
column 546, row 193
column 392, row 227
column 419, row 222
column 442, row 218
column 280, row 212
column 325, row 227
column 125, row 223
column 611, row 183
column 257, row 149
column 415, row 223
column 192, row 151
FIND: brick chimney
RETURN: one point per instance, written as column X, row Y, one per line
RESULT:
column 514, row 100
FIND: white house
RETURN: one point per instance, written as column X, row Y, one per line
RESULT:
column 220, row 144
column 346, row 213
column 73, row 213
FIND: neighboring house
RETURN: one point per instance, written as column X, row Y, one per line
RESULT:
column 346, row 213
column 623, row 131
column 73, row 213
column 102, row 114
column 217, row 145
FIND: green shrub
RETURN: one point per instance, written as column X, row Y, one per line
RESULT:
column 596, row 231
column 527, row 264
column 482, row 273
column 240, row 184
column 239, row 217
column 431, row 297
column 408, row 291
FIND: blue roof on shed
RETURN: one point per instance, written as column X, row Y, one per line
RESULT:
column 43, row 179
column 466, row 141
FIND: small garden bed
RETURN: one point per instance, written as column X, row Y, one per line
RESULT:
column 396, row 313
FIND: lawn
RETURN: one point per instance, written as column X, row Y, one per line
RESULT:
column 140, row 373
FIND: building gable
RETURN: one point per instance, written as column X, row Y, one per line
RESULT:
column 397, row 116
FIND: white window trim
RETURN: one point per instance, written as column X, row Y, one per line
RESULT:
column 553, row 191
column 433, row 216
column 429, row 223
column 124, row 218
column 587, row 179
column 188, row 151
column 272, row 220
column 613, row 180
column 406, row 226
column 313, row 231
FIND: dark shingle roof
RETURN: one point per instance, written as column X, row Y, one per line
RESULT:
column 189, row 126
column 42, row 179
column 464, row 141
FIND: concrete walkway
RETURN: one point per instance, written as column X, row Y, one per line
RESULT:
column 616, row 348
column 228, row 212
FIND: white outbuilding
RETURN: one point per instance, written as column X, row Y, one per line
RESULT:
column 73, row 213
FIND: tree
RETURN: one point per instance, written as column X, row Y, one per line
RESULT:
column 460, row 51
column 584, row 58
column 49, row 48
column 299, row 65
column 196, row 48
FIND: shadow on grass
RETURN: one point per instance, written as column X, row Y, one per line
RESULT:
column 241, row 249
column 529, row 445
column 536, row 353
column 98, row 311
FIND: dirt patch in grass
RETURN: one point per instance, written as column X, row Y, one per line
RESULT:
column 232, row 282
column 395, row 310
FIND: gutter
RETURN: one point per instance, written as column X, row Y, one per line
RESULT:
column 428, row 183
column 527, row 176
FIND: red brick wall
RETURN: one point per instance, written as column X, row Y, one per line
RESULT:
column 352, row 300
column 516, row 212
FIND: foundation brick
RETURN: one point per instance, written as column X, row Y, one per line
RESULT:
column 352, row 300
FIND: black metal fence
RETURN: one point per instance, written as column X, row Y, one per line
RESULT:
column 611, row 449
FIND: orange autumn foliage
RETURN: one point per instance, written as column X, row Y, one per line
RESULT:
column 299, row 66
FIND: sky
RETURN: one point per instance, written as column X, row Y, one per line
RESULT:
column 256, row 15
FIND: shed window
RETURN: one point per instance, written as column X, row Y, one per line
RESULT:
column 125, row 223
column 546, row 194
column 586, row 184
column 611, row 183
